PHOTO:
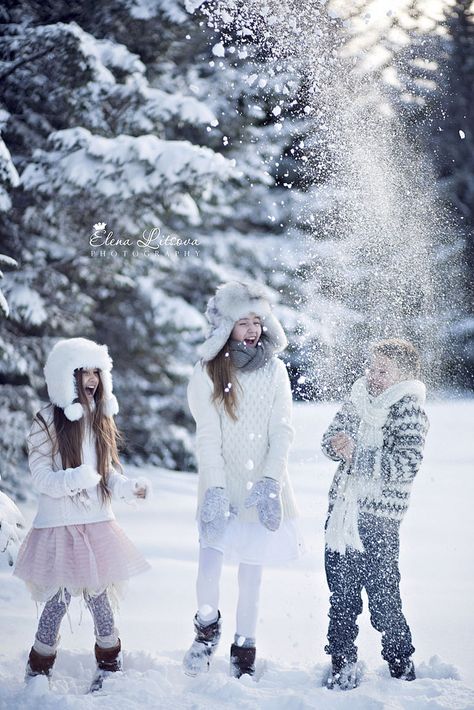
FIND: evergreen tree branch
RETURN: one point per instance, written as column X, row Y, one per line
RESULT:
column 25, row 60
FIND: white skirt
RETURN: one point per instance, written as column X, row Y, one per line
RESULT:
column 253, row 544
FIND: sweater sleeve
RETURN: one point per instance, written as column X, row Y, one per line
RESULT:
column 45, row 479
column 344, row 421
column 280, row 431
column 122, row 488
column 208, row 429
column 407, row 430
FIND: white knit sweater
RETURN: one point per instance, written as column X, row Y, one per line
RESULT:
column 56, row 504
column 235, row 454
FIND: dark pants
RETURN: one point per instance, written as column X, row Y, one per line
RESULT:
column 376, row 569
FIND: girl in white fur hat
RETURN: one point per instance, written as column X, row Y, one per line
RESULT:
column 75, row 546
column 240, row 396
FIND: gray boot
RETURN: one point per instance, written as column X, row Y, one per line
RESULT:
column 402, row 668
column 198, row 658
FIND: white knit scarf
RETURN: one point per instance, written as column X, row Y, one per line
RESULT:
column 342, row 529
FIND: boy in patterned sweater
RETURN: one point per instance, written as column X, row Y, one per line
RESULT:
column 378, row 436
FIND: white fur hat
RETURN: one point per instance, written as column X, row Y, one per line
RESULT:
column 235, row 300
column 72, row 354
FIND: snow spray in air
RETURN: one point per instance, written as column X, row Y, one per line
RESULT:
column 379, row 255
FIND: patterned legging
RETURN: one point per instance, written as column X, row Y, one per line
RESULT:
column 55, row 609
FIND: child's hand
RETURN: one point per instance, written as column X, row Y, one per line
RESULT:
column 343, row 445
column 142, row 488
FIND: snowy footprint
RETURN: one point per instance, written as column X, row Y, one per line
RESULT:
column 37, row 686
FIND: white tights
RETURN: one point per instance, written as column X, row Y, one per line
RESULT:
column 207, row 588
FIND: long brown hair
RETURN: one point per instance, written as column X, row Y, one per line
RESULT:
column 67, row 437
column 222, row 373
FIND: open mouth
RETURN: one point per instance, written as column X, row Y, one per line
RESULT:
column 250, row 341
column 90, row 390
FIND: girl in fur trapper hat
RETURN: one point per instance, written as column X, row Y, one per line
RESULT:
column 240, row 396
column 75, row 546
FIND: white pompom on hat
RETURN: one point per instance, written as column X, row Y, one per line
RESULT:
column 73, row 354
column 234, row 300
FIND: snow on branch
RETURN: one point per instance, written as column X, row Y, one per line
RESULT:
column 105, row 54
column 147, row 9
column 123, row 167
column 8, row 174
column 162, row 106
column 10, row 264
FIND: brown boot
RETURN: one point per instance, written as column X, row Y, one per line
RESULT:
column 242, row 660
column 39, row 664
column 109, row 660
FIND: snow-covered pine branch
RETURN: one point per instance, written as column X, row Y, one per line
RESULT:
column 125, row 167
column 12, row 528
column 8, row 174
column 5, row 261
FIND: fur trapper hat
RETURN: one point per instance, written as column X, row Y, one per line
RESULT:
column 72, row 354
column 235, row 300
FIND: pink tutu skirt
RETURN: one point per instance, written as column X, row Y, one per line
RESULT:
column 79, row 558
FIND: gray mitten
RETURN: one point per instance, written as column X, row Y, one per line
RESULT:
column 214, row 514
column 265, row 495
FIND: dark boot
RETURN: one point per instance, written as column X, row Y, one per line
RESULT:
column 39, row 665
column 242, row 660
column 109, row 660
column 198, row 657
column 402, row 668
column 343, row 674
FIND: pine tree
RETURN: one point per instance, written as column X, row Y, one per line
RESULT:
column 103, row 142
column 114, row 131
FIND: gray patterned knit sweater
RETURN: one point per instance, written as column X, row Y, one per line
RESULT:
column 404, row 435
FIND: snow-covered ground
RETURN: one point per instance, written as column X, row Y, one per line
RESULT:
column 155, row 620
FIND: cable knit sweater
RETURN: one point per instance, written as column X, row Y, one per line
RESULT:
column 56, row 504
column 235, row 454
column 404, row 435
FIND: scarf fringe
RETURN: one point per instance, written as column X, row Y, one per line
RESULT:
column 342, row 530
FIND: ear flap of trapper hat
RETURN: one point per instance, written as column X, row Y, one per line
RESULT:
column 217, row 339
column 111, row 407
column 72, row 354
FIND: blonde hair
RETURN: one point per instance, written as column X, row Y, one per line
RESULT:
column 403, row 352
